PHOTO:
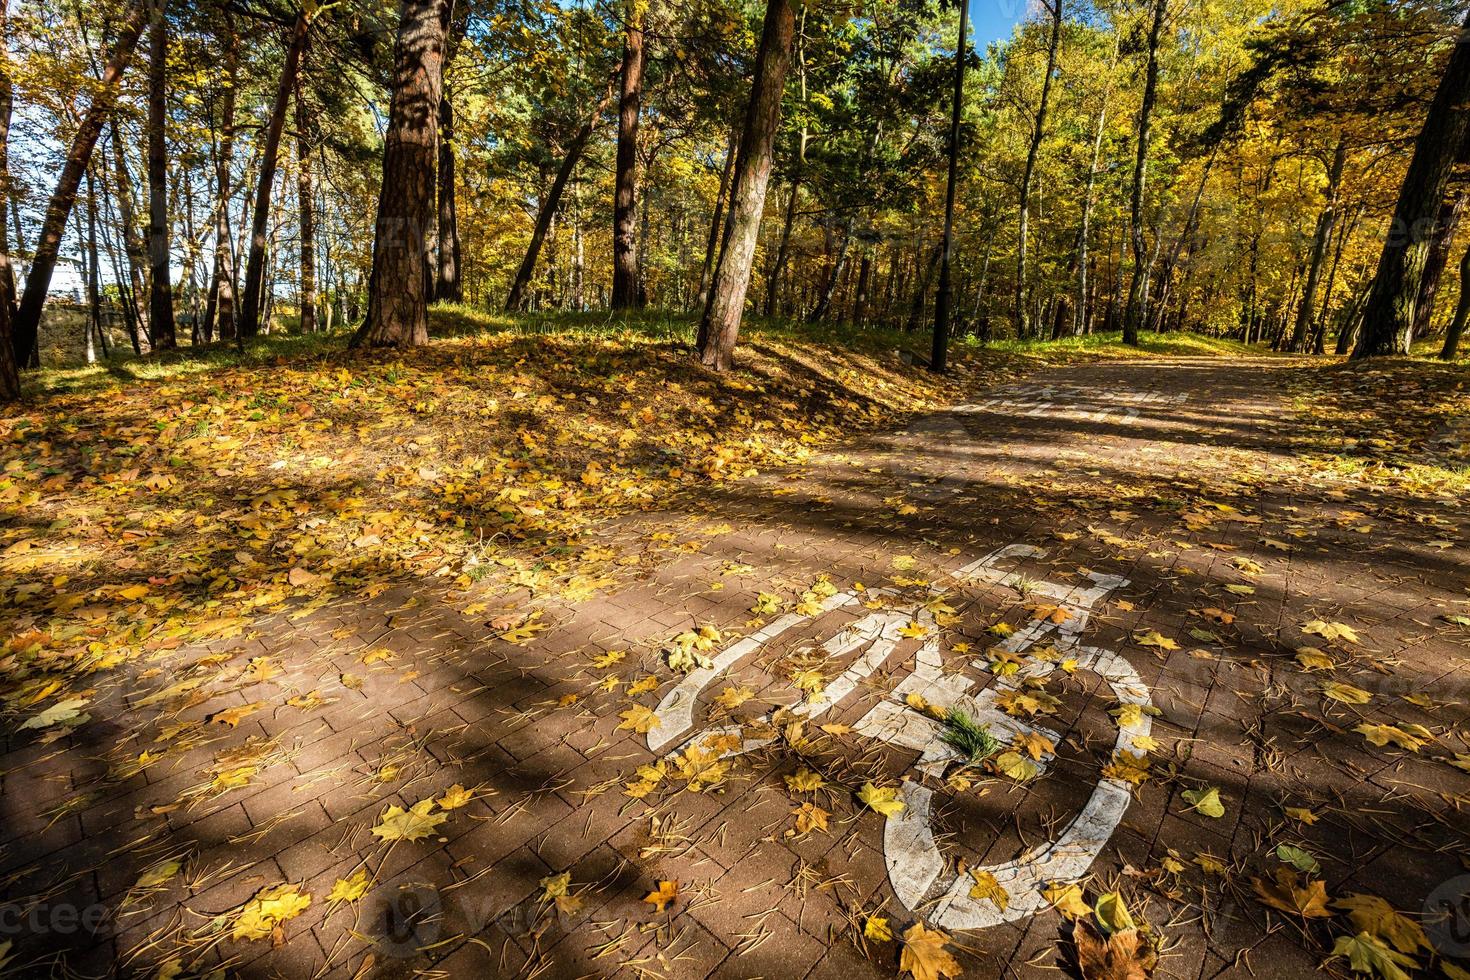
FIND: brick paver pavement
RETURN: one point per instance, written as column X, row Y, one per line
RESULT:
column 1170, row 490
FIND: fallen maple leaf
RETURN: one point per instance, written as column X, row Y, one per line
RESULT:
column 639, row 718
column 667, row 891
column 1375, row 916
column 1123, row 955
column 413, row 824
column 350, row 889
column 924, row 954
column 264, row 913
column 1367, row 954
column 986, row 888
column 455, row 797
column 884, row 800
column 1288, row 892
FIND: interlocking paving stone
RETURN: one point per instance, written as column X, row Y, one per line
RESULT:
column 547, row 752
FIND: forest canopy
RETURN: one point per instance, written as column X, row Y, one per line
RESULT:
column 199, row 173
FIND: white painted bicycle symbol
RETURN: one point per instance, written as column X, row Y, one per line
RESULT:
column 918, row 871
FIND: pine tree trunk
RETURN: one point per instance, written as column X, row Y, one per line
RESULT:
column 160, row 290
column 1388, row 318
column 27, row 323
column 1134, row 313
column 1320, row 241
column 133, row 244
column 450, row 288
column 1032, row 150
column 250, row 301
column 1434, row 265
column 224, row 242
column 829, row 286
column 398, row 290
column 625, row 192
column 305, row 199
column 518, row 298
column 720, row 327
column 717, row 220
column 9, row 374
column 94, row 275
column 1452, row 336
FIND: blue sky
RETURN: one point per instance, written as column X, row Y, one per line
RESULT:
column 992, row 20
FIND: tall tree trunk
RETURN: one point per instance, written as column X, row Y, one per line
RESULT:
column 250, row 301
column 860, row 294
column 224, row 241
column 1452, row 336
column 829, row 286
column 519, row 297
column 450, row 288
column 1033, row 149
column 398, row 298
column 9, row 374
column 1388, row 319
column 1083, row 314
column 625, row 192
column 720, row 327
column 38, row 281
column 1134, row 314
column 1320, row 241
column 1319, row 340
column 160, row 290
column 1434, row 264
column 939, row 345
column 305, row 200
column 716, row 221
column 133, row 244
column 7, row 107
column 94, row 276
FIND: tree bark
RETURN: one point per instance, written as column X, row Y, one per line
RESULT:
column 625, row 192
column 939, row 345
column 224, row 242
column 133, row 244
column 305, row 199
column 834, row 275
column 1388, row 318
column 720, row 326
column 398, row 291
column 250, row 301
column 160, row 290
column 450, row 288
column 1033, row 149
column 1450, row 213
column 1325, row 222
column 1134, row 314
column 38, row 282
column 94, row 275
column 717, row 220
column 9, row 372
column 1452, row 336
column 519, row 297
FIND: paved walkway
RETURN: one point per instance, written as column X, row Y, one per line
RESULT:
column 1103, row 562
